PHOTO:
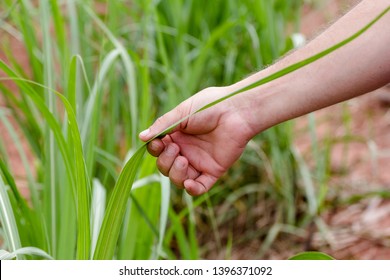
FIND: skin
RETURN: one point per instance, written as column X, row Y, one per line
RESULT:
column 201, row 149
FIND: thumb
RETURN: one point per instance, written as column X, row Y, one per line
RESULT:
column 162, row 123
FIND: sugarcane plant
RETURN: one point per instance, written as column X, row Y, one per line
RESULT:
column 72, row 212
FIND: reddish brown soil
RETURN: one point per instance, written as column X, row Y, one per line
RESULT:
column 355, row 230
column 13, row 154
column 361, row 230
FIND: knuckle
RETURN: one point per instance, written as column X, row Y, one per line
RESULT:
column 177, row 182
column 162, row 171
column 160, row 120
column 177, row 174
column 154, row 148
column 162, row 168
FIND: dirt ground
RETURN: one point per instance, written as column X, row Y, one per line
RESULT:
column 13, row 154
column 361, row 230
column 358, row 231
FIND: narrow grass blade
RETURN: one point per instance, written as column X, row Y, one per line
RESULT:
column 192, row 238
column 311, row 256
column 60, row 31
column 50, row 119
column 165, row 59
column 9, row 180
column 204, row 53
column 72, row 84
column 67, row 226
column 4, row 255
column 140, row 232
column 51, row 158
column 92, row 112
column 25, row 118
column 146, row 181
column 270, row 238
column 308, row 184
column 179, row 232
column 77, row 170
column 105, row 247
column 23, row 157
column 6, row 14
column 8, row 219
column 30, row 40
column 129, row 75
column 98, row 207
column 92, row 99
column 164, row 209
column 31, row 227
column 143, row 214
column 83, row 187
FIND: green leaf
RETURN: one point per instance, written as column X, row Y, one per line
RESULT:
column 311, row 256
column 4, row 255
column 109, row 233
column 83, row 184
column 113, row 219
column 50, row 119
column 74, row 162
column 165, row 199
column 7, row 219
column 129, row 68
column 98, row 206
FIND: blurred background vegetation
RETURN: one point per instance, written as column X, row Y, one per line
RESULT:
column 139, row 59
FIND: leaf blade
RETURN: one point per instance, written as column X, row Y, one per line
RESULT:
column 113, row 218
column 311, row 256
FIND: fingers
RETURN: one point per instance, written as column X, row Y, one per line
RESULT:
column 178, row 169
column 199, row 185
column 162, row 123
column 167, row 158
column 174, row 166
column 170, row 163
column 178, row 173
column 156, row 147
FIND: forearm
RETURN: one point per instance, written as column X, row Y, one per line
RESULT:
column 357, row 68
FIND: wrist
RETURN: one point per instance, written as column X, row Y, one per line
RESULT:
column 256, row 106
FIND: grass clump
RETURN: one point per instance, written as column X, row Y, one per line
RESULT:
column 99, row 72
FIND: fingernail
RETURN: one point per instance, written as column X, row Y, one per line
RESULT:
column 180, row 164
column 144, row 133
column 153, row 146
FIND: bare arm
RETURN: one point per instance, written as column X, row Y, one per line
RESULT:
column 355, row 69
column 202, row 148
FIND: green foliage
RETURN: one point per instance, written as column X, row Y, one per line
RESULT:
column 64, row 133
column 116, row 208
column 316, row 256
column 100, row 71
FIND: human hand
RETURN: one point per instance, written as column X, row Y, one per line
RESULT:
column 200, row 149
column 204, row 146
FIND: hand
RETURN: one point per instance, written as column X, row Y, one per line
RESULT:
column 199, row 150
column 204, row 146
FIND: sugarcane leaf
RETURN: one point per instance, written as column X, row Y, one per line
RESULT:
column 109, row 234
column 311, row 256
column 5, row 255
column 77, row 170
column 7, row 219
